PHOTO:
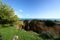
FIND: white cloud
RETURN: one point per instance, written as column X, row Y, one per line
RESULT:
column 21, row 10
column 20, row 15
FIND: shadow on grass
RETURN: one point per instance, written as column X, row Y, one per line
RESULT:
column 1, row 36
column 46, row 36
column 57, row 38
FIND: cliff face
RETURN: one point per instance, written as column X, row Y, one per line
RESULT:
column 39, row 26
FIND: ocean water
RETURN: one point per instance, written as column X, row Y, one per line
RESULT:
column 58, row 19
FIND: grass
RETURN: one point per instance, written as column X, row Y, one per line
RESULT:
column 9, row 32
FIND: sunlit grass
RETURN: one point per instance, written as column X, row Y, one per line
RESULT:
column 9, row 32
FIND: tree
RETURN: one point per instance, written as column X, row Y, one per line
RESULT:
column 7, row 15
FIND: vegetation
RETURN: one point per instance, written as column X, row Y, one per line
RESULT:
column 46, row 35
column 9, row 32
column 7, row 15
column 26, row 27
column 49, row 23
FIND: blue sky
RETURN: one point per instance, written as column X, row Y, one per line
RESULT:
column 35, row 8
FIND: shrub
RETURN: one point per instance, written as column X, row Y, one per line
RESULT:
column 46, row 35
column 57, row 39
column 7, row 16
column 49, row 23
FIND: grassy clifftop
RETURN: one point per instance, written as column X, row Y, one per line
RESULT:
column 9, row 32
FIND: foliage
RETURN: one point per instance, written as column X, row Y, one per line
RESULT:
column 57, row 38
column 7, row 15
column 8, row 34
column 46, row 35
column 49, row 23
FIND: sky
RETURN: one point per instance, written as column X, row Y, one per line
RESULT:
column 35, row 8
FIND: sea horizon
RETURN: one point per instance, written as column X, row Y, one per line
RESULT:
column 58, row 19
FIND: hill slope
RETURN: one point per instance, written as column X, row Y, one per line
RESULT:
column 9, row 32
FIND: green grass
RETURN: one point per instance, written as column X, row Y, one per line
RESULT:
column 9, row 32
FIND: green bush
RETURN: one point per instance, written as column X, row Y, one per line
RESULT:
column 7, row 15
